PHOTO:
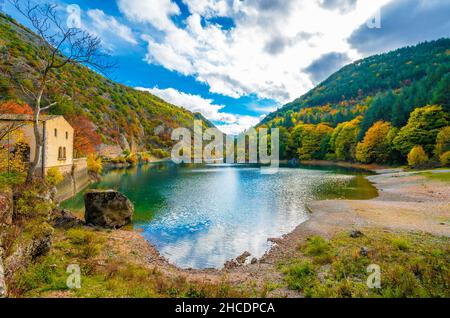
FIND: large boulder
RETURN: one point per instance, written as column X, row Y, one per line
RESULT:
column 107, row 208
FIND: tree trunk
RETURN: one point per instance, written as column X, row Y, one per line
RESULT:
column 37, row 140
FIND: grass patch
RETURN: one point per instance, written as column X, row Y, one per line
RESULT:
column 300, row 276
column 400, row 243
column 437, row 176
column 412, row 265
column 104, row 273
column 319, row 249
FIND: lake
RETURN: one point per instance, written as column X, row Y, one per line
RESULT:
column 202, row 216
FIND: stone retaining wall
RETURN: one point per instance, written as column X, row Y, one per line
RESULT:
column 75, row 181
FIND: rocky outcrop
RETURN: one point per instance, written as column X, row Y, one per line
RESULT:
column 124, row 143
column 355, row 234
column 110, row 151
column 239, row 261
column 6, row 214
column 63, row 218
column 6, row 207
column 27, row 250
column 107, row 208
column 3, row 290
column 243, row 257
column 23, row 238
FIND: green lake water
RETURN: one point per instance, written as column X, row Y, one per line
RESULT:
column 202, row 216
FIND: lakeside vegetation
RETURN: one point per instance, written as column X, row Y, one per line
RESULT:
column 411, row 264
column 106, row 272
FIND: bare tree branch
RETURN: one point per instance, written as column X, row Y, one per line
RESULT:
column 56, row 46
column 48, row 106
column 9, row 128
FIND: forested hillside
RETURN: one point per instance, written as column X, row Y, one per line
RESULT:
column 380, row 100
column 389, row 85
column 101, row 111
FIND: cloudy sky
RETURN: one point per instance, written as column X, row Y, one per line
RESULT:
column 237, row 60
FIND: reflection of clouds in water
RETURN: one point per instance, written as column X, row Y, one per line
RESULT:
column 212, row 218
column 200, row 220
column 208, row 247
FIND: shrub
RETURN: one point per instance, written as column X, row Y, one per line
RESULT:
column 159, row 153
column 319, row 248
column 145, row 157
column 417, row 157
column 330, row 157
column 94, row 164
column 445, row 159
column 118, row 160
column 132, row 159
column 300, row 276
column 54, row 176
column 14, row 161
column 11, row 179
column 88, row 242
column 316, row 245
column 442, row 141
column 400, row 243
column 31, row 202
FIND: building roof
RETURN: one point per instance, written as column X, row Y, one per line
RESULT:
column 26, row 117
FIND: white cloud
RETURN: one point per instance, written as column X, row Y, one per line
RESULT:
column 226, row 122
column 263, row 109
column 107, row 27
column 242, row 123
column 208, row 8
column 156, row 12
column 194, row 103
column 265, row 53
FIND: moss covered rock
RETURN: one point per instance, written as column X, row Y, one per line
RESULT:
column 107, row 208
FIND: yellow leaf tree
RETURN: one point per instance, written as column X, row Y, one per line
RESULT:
column 375, row 146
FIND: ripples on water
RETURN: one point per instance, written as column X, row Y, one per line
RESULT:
column 203, row 216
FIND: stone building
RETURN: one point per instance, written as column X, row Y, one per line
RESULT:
column 57, row 134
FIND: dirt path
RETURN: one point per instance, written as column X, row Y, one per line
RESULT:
column 406, row 202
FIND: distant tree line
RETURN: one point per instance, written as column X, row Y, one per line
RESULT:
column 424, row 139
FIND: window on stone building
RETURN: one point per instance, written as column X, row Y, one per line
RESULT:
column 62, row 153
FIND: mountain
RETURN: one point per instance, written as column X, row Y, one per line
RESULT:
column 115, row 114
column 381, row 87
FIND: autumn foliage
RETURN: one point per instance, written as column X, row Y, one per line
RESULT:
column 375, row 145
column 12, row 107
column 86, row 139
column 417, row 157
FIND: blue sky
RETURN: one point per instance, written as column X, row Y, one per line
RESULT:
column 235, row 61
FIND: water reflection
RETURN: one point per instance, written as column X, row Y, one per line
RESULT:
column 202, row 216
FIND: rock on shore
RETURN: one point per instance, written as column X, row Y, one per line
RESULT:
column 107, row 208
